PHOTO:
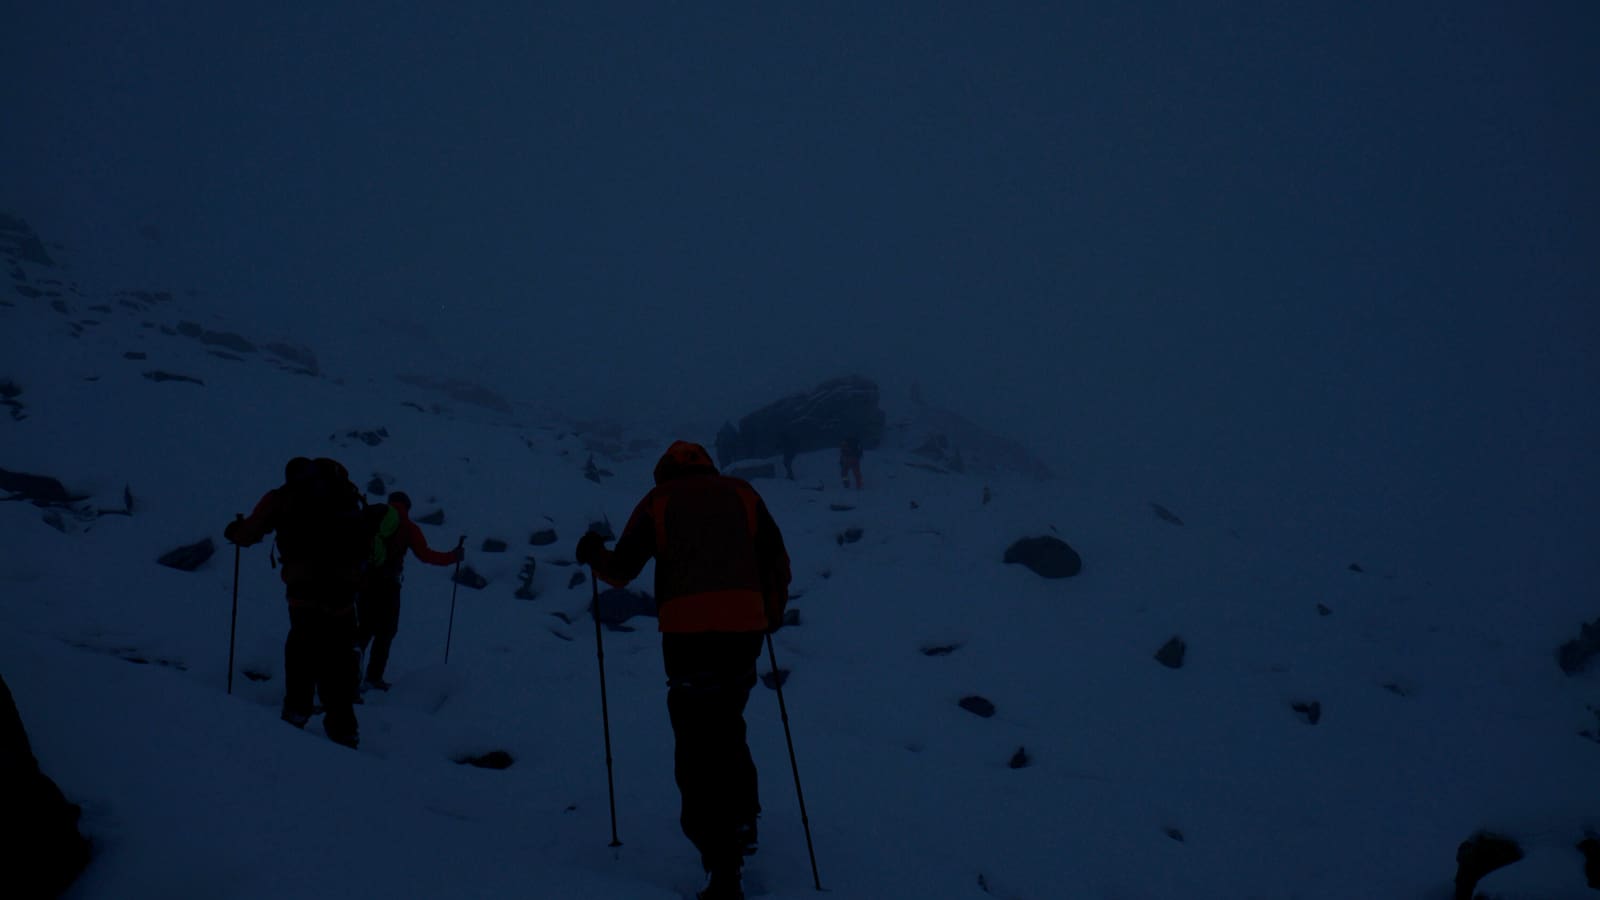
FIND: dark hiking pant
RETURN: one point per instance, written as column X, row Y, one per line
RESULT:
column 709, row 677
column 319, row 660
column 379, row 610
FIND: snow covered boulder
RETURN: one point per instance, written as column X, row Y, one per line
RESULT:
column 1047, row 556
column 819, row 419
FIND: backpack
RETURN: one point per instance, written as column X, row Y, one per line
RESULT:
column 387, row 553
column 324, row 539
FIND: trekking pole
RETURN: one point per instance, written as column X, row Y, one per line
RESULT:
column 233, row 627
column 805, row 822
column 455, row 583
column 605, row 712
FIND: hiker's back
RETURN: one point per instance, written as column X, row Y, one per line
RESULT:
column 323, row 540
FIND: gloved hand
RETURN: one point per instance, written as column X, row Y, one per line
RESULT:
column 233, row 531
column 589, row 549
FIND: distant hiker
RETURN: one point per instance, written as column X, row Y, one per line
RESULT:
column 378, row 609
column 850, row 461
column 786, row 442
column 722, row 578
column 324, row 543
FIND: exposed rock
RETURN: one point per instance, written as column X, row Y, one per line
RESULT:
column 189, row 557
column 941, row 649
column 494, row 759
column 791, row 618
column 434, row 518
column 9, row 392
column 1573, row 656
column 18, row 241
column 1164, row 514
column 1173, row 833
column 1323, row 610
column 618, row 605
column 543, row 538
column 494, row 545
column 848, row 536
column 469, row 577
column 299, row 359
column 371, row 438
column 1478, row 856
column 525, row 579
column 40, row 490
column 775, row 679
column 1590, row 848
column 594, row 472
column 576, row 579
column 978, row 706
column 44, row 851
column 460, row 391
column 225, row 339
column 819, row 419
column 376, row 487
column 1048, row 557
column 1311, row 712
column 1020, row 759
column 1172, row 652
column 602, row 528
column 158, row 375
column 1354, row 567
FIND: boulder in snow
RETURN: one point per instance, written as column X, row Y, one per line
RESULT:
column 189, row 557
column 1047, row 556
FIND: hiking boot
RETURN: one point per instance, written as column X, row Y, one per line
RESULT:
column 297, row 719
column 350, row 739
column 376, row 684
column 723, row 884
column 746, row 836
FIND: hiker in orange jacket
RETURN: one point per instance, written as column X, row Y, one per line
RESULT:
column 722, row 577
column 379, row 606
column 316, row 514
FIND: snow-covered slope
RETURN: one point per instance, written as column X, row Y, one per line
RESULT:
column 1441, row 710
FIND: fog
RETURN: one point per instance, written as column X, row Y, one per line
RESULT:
column 1353, row 249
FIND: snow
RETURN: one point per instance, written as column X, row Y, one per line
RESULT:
column 1443, row 709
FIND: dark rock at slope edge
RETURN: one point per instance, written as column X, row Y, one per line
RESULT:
column 1047, row 556
column 1574, row 655
column 44, row 851
column 189, row 557
column 40, row 490
column 1478, row 856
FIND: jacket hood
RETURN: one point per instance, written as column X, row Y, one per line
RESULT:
column 684, row 458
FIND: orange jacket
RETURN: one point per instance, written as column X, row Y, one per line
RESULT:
column 408, row 536
column 720, row 560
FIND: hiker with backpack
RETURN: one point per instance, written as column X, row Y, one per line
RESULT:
column 850, row 460
column 323, row 543
column 722, row 577
column 378, row 609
